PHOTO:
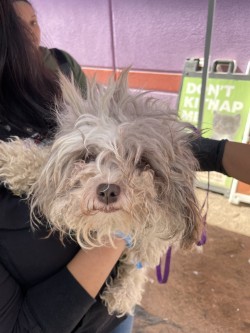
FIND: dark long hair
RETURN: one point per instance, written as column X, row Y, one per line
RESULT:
column 27, row 89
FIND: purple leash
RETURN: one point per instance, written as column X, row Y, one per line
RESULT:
column 164, row 279
column 203, row 239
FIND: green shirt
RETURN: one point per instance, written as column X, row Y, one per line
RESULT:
column 51, row 63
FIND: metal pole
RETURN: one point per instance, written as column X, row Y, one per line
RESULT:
column 210, row 19
column 112, row 36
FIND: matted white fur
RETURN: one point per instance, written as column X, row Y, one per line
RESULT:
column 119, row 162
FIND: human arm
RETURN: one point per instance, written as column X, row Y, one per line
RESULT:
column 104, row 258
column 45, row 307
column 229, row 158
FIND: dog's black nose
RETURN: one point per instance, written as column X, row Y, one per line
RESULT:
column 108, row 193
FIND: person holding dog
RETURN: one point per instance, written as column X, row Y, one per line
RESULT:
column 52, row 58
column 47, row 285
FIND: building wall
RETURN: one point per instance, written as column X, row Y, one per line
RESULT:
column 154, row 37
column 150, row 35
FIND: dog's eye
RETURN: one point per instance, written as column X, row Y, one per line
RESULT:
column 143, row 164
column 90, row 158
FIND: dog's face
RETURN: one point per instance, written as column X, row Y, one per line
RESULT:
column 119, row 162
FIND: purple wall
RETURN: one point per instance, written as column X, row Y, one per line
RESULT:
column 147, row 34
column 81, row 27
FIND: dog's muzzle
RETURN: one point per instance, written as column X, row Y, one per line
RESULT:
column 108, row 193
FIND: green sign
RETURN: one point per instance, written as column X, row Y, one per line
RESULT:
column 226, row 110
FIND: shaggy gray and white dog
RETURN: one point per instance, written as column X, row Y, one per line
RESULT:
column 120, row 162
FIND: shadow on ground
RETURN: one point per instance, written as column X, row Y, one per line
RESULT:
column 207, row 292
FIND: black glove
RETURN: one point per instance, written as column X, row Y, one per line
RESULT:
column 209, row 154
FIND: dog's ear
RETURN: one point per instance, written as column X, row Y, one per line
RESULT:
column 175, row 187
column 163, row 143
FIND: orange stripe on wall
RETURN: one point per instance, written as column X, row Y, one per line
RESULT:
column 146, row 80
column 102, row 75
